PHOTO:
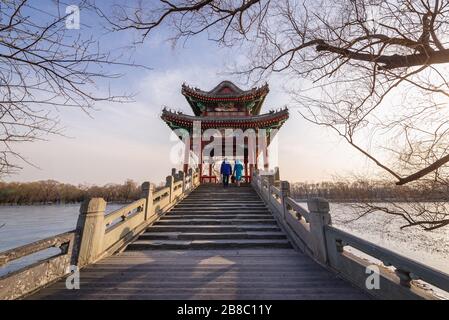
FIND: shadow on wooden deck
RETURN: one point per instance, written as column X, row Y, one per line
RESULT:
column 280, row 274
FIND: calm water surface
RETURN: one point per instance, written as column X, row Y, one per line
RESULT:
column 26, row 224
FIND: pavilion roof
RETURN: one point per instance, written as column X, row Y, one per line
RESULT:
column 225, row 92
column 273, row 119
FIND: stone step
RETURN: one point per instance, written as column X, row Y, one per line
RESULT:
column 220, row 212
column 219, row 188
column 225, row 197
column 200, row 222
column 211, row 235
column 217, row 216
column 227, row 201
column 223, row 201
column 233, row 198
column 211, row 208
column 213, row 228
column 224, row 193
column 206, row 244
column 218, row 207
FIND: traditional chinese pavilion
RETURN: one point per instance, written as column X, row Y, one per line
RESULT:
column 226, row 107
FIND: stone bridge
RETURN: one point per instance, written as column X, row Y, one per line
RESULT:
column 199, row 241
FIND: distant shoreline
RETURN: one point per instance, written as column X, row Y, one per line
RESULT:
column 374, row 201
column 55, row 204
column 302, row 200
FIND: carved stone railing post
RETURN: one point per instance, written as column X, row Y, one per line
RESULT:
column 255, row 179
column 174, row 174
column 319, row 217
column 197, row 181
column 90, row 231
column 169, row 181
column 277, row 177
column 270, row 179
column 285, row 192
column 182, row 177
column 190, row 174
column 147, row 193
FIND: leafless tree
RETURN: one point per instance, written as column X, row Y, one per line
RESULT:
column 44, row 66
column 373, row 71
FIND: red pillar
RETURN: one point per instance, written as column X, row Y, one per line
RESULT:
column 187, row 148
column 265, row 158
column 200, row 165
column 256, row 164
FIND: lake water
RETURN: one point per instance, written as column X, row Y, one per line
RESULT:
column 25, row 224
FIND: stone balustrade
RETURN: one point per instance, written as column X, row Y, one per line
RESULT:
column 353, row 258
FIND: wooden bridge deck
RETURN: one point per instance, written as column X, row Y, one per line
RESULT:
column 206, row 274
column 215, row 244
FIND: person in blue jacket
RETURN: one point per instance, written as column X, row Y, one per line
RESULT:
column 225, row 171
column 238, row 172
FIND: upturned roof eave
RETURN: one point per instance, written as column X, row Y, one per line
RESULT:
column 254, row 93
column 273, row 119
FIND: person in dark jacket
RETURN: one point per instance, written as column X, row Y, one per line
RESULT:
column 225, row 171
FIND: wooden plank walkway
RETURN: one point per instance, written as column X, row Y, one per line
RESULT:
column 206, row 274
column 215, row 244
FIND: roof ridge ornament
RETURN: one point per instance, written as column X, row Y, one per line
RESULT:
column 225, row 92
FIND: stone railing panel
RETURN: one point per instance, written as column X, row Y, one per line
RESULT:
column 30, row 278
column 161, row 199
column 130, row 217
column 404, row 272
column 125, row 213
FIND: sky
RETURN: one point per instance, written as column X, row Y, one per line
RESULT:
column 116, row 142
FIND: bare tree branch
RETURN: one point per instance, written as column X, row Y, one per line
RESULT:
column 43, row 67
column 373, row 71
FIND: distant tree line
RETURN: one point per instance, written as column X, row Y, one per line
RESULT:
column 368, row 191
column 50, row 191
column 53, row 192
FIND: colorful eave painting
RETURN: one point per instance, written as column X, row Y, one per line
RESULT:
column 272, row 120
column 225, row 92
